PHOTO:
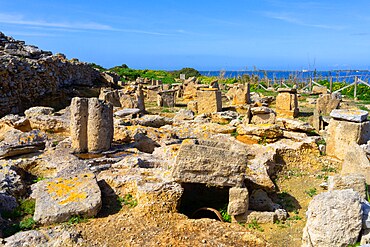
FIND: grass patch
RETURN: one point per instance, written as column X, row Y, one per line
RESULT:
column 255, row 226
column 76, row 219
column 27, row 224
column 127, row 200
column 311, row 192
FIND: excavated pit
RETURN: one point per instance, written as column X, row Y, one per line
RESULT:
column 201, row 201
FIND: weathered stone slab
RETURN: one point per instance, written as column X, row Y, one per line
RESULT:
column 294, row 125
column 333, row 219
column 209, row 165
column 262, row 130
column 357, row 116
column 60, row 198
column 127, row 112
column 209, row 101
column 287, row 90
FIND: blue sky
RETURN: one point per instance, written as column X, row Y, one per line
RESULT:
column 206, row 35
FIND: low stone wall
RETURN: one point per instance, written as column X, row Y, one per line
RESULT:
column 28, row 73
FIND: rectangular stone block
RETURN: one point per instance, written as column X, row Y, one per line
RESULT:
column 209, row 165
column 209, row 101
column 341, row 134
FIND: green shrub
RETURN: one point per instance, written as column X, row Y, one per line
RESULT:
column 27, row 224
column 225, row 216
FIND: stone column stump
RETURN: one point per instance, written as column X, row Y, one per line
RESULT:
column 91, row 125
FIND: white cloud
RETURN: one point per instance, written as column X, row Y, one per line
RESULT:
column 291, row 19
column 68, row 26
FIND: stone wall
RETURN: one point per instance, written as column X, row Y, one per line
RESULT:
column 28, row 73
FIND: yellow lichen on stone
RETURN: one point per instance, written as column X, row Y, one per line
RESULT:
column 67, row 190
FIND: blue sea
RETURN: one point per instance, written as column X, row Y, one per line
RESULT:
column 337, row 76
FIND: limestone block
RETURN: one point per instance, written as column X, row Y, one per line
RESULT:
column 209, row 101
column 261, row 130
column 319, row 90
column 351, row 181
column 60, row 198
column 326, row 103
column 238, row 201
column 287, row 105
column 356, row 162
column 357, row 116
column 267, row 118
column 341, row 134
column 209, row 165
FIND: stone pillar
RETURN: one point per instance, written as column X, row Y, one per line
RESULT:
column 91, row 125
column 287, row 103
column 140, row 98
column 209, row 100
column 152, row 93
column 241, row 95
column 166, row 98
column 78, row 126
column 346, row 127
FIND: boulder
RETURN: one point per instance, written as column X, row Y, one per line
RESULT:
column 16, row 122
column 37, row 111
column 357, row 116
column 59, row 199
column 356, row 162
column 334, row 218
column 16, row 143
column 57, row 236
column 127, row 112
column 223, row 117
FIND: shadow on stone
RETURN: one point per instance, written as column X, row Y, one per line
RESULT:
column 110, row 200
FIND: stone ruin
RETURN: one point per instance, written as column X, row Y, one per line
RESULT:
column 91, row 125
column 239, row 94
column 29, row 74
column 131, row 96
column 287, row 103
column 166, row 98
